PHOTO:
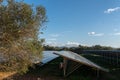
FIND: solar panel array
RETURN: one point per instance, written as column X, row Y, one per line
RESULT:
column 109, row 56
column 77, row 58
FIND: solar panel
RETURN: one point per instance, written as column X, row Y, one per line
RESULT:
column 47, row 57
column 109, row 56
column 77, row 58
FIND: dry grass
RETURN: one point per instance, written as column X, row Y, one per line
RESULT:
column 4, row 75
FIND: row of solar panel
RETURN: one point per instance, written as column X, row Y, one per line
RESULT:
column 109, row 56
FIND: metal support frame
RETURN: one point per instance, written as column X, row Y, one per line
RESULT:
column 117, row 58
column 65, row 63
column 98, row 73
column 75, row 68
column 64, row 66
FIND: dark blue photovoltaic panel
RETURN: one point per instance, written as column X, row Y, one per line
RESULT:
column 47, row 56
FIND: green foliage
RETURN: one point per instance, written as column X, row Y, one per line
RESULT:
column 80, row 48
column 20, row 26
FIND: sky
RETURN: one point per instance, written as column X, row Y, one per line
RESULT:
column 81, row 22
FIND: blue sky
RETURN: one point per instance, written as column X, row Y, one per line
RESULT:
column 85, row 22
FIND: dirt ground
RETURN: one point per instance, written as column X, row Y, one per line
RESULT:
column 51, row 71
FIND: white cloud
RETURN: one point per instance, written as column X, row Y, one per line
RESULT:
column 95, row 34
column 72, row 44
column 91, row 33
column 110, row 10
column 100, row 34
column 117, row 34
column 54, row 43
column 68, row 44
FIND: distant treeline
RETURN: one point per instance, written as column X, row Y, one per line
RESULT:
column 80, row 48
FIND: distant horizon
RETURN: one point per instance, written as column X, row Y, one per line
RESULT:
column 72, row 45
column 81, row 22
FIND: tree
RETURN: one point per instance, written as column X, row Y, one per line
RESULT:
column 20, row 25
